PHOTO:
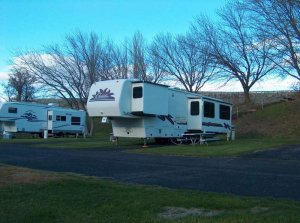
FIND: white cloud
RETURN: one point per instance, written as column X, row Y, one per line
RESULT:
column 46, row 58
column 4, row 74
column 4, row 71
column 275, row 84
column 232, row 86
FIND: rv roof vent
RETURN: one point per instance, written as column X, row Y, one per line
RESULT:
column 53, row 104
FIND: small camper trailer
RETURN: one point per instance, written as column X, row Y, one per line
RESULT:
column 36, row 118
column 142, row 109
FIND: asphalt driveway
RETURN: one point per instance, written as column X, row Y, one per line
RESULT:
column 266, row 174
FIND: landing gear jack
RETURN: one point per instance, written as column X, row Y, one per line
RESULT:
column 145, row 143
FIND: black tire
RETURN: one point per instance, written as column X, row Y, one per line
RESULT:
column 176, row 141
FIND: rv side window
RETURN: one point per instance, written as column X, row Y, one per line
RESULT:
column 12, row 110
column 75, row 120
column 224, row 112
column 50, row 117
column 137, row 92
column 209, row 109
column 61, row 118
column 195, row 108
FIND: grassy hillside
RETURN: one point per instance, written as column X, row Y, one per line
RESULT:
column 278, row 120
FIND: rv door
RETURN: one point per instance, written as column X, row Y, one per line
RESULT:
column 50, row 120
column 194, row 114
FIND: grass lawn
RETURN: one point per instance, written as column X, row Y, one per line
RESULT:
column 213, row 149
column 35, row 196
column 101, row 139
column 97, row 142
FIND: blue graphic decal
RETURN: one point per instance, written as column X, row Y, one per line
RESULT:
column 30, row 116
column 166, row 117
column 226, row 126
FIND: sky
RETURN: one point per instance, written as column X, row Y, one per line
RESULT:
column 31, row 24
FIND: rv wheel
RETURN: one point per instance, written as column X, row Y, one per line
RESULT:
column 176, row 141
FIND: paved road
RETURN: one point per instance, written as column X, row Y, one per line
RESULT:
column 267, row 174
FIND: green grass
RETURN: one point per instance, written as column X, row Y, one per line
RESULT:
column 95, row 142
column 92, row 143
column 213, row 149
column 101, row 139
column 219, row 149
column 83, row 199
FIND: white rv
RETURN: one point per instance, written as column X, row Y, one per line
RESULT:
column 36, row 118
column 145, row 110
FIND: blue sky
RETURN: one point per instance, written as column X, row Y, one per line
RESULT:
column 31, row 24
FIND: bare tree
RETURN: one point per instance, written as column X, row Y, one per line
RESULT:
column 120, row 58
column 183, row 59
column 236, row 48
column 296, row 86
column 20, row 86
column 137, row 52
column 8, row 92
column 69, row 70
column 156, row 69
column 279, row 21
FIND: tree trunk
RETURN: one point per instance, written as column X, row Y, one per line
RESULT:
column 247, row 99
column 91, row 126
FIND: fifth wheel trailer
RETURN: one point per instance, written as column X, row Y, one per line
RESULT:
column 37, row 118
column 140, row 109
